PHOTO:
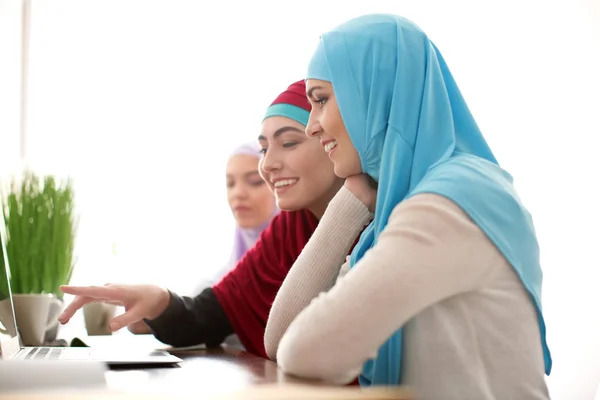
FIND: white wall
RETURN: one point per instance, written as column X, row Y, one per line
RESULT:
column 140, row 100
column 10, row 84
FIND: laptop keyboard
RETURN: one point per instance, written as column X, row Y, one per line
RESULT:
column 43, row 353
column 85, row 354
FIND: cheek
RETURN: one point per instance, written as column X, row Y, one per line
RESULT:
column 311, row 160
column 311, row 164
column 266, row 197
column 332, row 123
column 260, row 169
column 321, row 170
column 262, row 196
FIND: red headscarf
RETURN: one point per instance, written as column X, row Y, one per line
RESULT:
column 292, row 103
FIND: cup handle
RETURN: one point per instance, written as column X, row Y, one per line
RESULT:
column 57, row 305
column 2, row 330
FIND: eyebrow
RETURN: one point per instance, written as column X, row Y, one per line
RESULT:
column 246, row 174
column 311, row 90
column 281, row 131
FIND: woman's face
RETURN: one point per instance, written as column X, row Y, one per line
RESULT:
column 249, row 198
column 295, row 167
column 326, row 123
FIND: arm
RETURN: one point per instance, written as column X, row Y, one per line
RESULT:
column 188, row 321
column 317, row 267
column 429, row 251
column 239, row 303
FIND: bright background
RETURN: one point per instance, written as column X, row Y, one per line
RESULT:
column 140, row 101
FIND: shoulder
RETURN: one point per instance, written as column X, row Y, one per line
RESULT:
column 284, row 238
column 431, row 231
column 434, row 213
column 439, row 226
column 299, row 220
column 289, row 230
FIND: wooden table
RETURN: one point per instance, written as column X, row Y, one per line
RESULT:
column 221, row 373
column 209, row 370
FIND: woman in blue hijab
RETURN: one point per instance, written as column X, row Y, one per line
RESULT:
column 443, row 290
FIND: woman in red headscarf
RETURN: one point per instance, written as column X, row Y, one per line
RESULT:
column 301, row 175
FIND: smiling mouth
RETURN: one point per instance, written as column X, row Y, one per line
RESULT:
column 284, row 184
column 330, row 146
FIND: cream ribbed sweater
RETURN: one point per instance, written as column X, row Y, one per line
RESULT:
column 470, row 330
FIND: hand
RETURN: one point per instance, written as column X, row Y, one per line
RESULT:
column 139, row 328
column 364, row 188
column 140, row 301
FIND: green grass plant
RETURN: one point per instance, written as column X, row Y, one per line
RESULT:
column 41, row 227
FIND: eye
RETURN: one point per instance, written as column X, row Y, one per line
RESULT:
column 321, row 101
column 289, row 144
column 230, row 184
column 257, row 183
column 263, row 151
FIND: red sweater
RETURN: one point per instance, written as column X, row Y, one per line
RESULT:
column 248, row 291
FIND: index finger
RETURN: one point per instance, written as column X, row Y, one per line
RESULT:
column 95, row 292
column 72, row 308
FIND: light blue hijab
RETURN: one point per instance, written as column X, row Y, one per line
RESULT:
column 415, row 134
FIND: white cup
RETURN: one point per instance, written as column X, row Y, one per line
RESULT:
column 32, row 312
column 97, row 317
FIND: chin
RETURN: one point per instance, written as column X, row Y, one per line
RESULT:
column 289, row 204
column 246, row 224
column 340, row 171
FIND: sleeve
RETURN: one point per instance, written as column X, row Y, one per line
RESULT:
column 189, row 321
column 318, row 266
column 429, row 251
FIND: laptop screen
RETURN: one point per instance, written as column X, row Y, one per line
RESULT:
column 8, row 334
column 11, row 74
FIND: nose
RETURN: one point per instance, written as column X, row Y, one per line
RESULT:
column 313, row 127
column 270, row 162
column 238, row 191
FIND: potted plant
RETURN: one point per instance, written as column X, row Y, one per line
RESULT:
column 41, row 227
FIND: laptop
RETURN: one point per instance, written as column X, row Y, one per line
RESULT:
column 10, row 342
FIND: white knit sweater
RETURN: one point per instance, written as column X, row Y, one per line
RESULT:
column 470, row 329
